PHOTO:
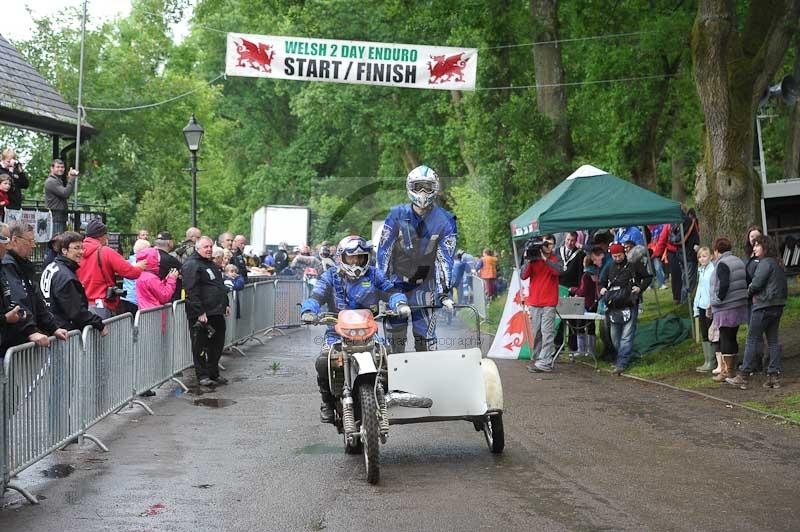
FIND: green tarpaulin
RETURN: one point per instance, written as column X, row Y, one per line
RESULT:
column 653, row 336
column 590, row 199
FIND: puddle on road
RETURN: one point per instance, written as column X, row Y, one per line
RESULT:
column 319, row 448
column 58, row 471
column 213, row 402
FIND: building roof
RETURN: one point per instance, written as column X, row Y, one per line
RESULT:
column 29, row 102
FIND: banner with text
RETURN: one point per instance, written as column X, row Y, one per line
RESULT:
column 370, row 63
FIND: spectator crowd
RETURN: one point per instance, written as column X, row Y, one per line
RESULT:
column 611, row 269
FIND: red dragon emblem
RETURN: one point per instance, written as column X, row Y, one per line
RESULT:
column 259, row 56
column 518, row 326
column 443, row 68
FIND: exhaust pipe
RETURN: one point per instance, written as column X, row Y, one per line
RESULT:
column 407, row 400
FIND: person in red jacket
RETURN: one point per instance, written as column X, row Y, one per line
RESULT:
column 100, row 266
column 543, row 271
column 659, row 240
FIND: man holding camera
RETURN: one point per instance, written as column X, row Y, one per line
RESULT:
column 99, row 270
column 621, row 284
column 206, row 309
column 19, row 179
column 543, row 269
column 57, row 190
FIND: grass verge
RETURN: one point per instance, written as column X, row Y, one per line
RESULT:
column 788, row 407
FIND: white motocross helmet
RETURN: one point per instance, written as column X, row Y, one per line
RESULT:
column 352, row 256
column 422, row 184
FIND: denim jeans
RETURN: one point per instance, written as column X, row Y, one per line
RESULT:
column 543, row 321
column 658, row 268
column 763, row 321
column 622, row 335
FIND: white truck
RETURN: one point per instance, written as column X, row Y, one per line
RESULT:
column 273, row 224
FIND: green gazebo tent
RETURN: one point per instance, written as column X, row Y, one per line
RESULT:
column 591, row 198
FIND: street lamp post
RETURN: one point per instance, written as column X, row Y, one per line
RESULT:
column 193, row 134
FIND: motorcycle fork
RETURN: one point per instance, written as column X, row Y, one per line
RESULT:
column 348, row 414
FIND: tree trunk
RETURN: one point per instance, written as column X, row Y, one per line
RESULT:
column 678, row 170
column 732, row 68
column 648, row 150
column 455, row 97
column 791, row 160
column 549, row 70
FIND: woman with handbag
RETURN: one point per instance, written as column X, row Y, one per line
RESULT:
column 589, row 289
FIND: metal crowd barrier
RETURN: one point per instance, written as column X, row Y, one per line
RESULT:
column 181, row 340
column 153, row 347
column 108, row 371
column 42, row 403
column 51, row 396
column 479, row 296
column 288, row 293
column 264, row 310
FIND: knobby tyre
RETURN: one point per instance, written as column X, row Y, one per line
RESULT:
column 370, row 430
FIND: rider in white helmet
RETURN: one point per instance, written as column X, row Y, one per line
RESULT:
column 416, row 252
column 353, row 284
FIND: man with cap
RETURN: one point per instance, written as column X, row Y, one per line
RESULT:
column 99, row 269
column 20, row 274
column 167, row 261
column 621, row 285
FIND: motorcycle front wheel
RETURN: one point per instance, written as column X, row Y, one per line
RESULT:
column 370, row 431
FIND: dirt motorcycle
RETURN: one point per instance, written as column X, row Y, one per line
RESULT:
column 375, row 389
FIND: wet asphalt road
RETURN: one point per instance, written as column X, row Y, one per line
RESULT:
column 584, row 451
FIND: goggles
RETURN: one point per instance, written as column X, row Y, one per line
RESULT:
column 4, row 239
column 357, row 247
column 423, row 187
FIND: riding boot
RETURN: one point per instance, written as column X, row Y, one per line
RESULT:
column 708, row 356
column 728, row 365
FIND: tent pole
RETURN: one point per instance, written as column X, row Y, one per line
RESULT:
column 653, row 270
column 686, row 280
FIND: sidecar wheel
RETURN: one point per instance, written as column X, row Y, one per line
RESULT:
column 493, row 431
column 370, row 431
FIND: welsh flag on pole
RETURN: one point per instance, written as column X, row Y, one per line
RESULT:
column 514, row 337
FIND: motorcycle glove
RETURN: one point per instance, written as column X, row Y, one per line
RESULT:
column 308, row 317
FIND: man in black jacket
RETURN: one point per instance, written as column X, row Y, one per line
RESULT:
column 62, row 290
column 167, row 261
column 621, row 284
column 10, row 312
column 206, row 309
column 238, row 255
column 21, row 276
column 571, row 258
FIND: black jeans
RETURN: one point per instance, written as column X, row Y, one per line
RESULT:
column 763, row 321
column 206, row 350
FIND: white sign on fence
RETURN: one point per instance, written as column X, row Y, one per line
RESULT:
column 371, row 63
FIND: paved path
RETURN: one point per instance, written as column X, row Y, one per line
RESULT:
column 584, row 451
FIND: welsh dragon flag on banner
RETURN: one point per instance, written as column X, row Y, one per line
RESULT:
column 513, row 335
column 513, row 338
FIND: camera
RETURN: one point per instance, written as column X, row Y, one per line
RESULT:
column 204, row 328
column 113, row 293
column 533, row 248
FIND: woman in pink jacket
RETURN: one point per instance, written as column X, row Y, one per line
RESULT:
column 150, row 290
